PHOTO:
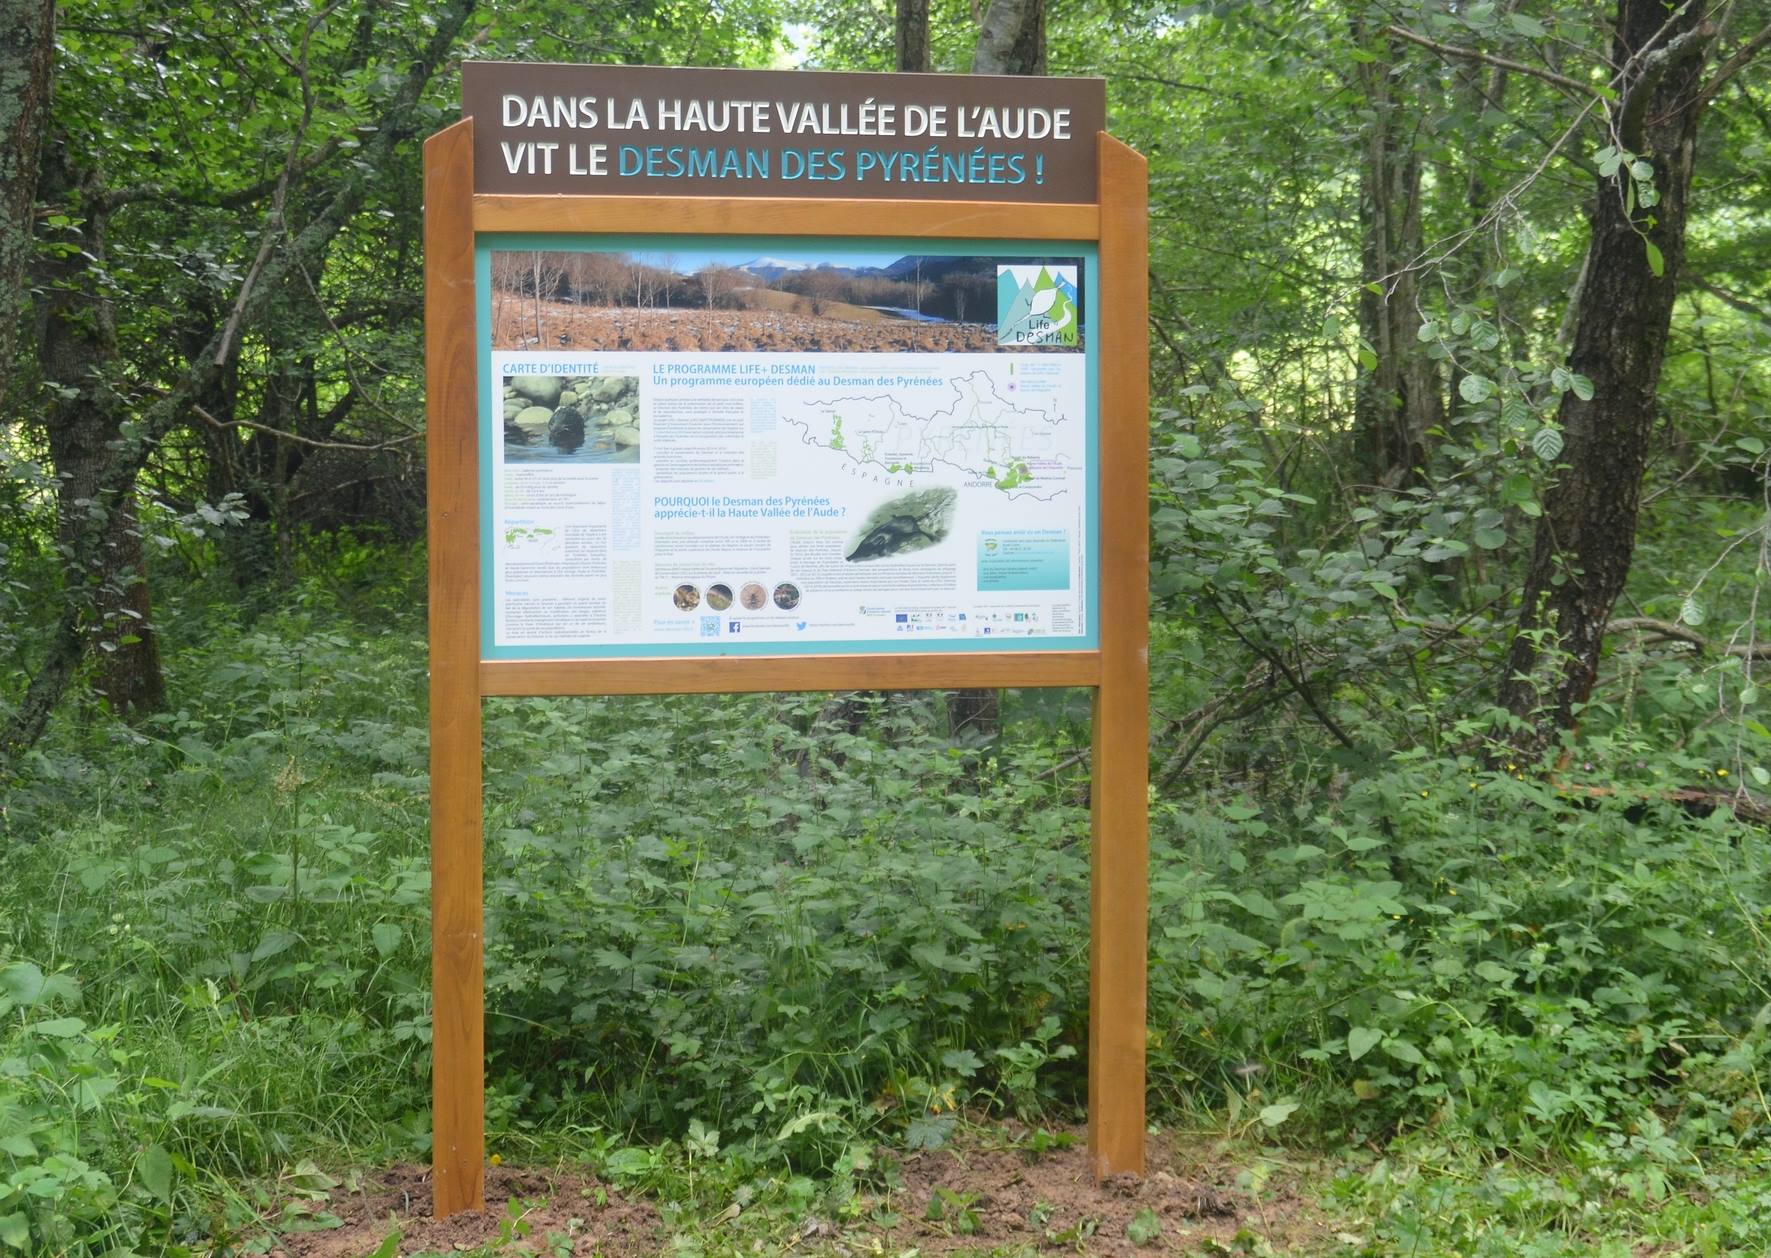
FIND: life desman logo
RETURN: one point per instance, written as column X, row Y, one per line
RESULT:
column 1036, row 305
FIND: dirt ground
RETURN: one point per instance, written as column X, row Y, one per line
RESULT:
column 964, row 1200
column 592, row 1218
column 1052, row 1202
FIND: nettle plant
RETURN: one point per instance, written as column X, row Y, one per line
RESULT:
column 67, row 1091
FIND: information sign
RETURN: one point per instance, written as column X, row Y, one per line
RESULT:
column 750, row 381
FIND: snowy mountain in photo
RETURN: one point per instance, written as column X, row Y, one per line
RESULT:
column 771, row 269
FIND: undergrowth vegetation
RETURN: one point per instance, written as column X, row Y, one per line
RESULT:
column 730, row 939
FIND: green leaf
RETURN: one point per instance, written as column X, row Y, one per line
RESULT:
column 1691, row 611
column 1273, row 1115
column 15, row 1231
column 1361, row 1040
column 1582, row 386
column 274, row 942
column 1403, row 1050
column 1546, row 443
column 59, row 1028
column 818, row 1118
column 154, row 1169
column 929, row 1131
column 1656, row 263
column 1145, row 1228
column 1529, row 27
column 1761, row 775
column 309, row 1178
column 23, row 982
column 962, row 1061
column 1475, row 388
column 1491, row 539
column 387, row 937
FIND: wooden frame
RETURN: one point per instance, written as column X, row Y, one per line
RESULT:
column 460, row 679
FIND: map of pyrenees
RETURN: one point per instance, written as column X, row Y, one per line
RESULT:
column 968, row 426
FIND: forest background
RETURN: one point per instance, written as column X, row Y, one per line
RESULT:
column 1461, row 541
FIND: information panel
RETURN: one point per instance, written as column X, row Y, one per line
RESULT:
column 700, row 445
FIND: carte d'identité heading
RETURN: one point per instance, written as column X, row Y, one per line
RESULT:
column 624, row 129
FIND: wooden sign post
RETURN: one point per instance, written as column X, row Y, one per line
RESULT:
column 1000, row 540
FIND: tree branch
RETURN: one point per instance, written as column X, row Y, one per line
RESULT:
column 1500, row 63
column 284, row 435
column 1680, row 48
column 1745, row 307
column 210, row 198
column 1734, row 65
column 1667, row 631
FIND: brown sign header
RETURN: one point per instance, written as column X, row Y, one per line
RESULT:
column 643, row 130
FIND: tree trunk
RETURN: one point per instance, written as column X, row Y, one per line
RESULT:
column 912, row 29
column 1011, row 39
column 27, row 54
column 1587, row 533
column 76, row 349
column 1400, row 400
column 399, row 121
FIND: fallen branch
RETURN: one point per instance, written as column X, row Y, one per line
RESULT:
column 1742, row 803
column 1656, row 631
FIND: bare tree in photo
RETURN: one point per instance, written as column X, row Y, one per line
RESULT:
column 509, row 270
column 547, row 272
column 716, row 282
column 604, row 276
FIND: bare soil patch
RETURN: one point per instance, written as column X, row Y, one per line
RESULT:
column 1004, row 1199
column 997, row 1200
column 594, row 1218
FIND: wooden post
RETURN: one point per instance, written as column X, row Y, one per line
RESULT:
column 457, row 946
column 1119, row 906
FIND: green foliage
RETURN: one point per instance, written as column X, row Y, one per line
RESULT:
column 1464, row 950
column 725, row 945
column 818, row 936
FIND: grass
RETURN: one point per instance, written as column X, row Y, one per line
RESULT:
column 740, row 952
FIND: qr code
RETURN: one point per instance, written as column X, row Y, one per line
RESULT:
column 710, row 626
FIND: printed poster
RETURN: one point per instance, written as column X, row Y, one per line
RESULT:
column 704, row 446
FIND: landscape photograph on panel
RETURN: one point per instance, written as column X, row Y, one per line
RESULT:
column 699, row 445
column 725, row 301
